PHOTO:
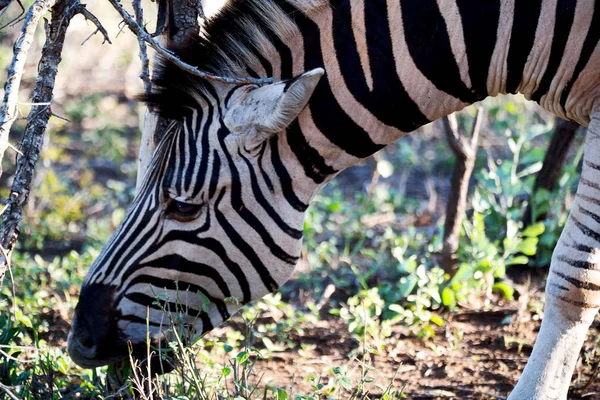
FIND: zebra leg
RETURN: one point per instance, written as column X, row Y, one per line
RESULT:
column 572, row 289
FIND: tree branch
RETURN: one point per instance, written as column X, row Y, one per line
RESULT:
column 4, row 6
column 40, row 113
column 8, row 392
column 81, row 9
column 465, row 151
column 8, row 109
column 170, row 56
column 145, row 75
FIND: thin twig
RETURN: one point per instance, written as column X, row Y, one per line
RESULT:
column 81, row 9
column 592, row 378
column 464, row 389
column 20, row 360
column 162, row 18
column 8, row 392
column 4, row 4
column 170, row 56
column 15, row 71
column 10, row 346
column 145, row 75
column 10, row 146
column 55, row 115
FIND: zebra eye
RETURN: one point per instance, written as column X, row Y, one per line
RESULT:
column 183, row 212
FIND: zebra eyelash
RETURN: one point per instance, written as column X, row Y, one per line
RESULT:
column 182, row 211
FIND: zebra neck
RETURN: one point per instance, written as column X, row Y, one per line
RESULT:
column 363, row 102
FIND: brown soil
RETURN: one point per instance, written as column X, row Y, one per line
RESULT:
column 479, row 354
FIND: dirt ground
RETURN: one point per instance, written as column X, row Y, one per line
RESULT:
column 479, row 354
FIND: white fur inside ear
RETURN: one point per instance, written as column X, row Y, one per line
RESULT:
column 294, row 98
column 271, row 108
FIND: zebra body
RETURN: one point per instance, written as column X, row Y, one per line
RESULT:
column 221, row 208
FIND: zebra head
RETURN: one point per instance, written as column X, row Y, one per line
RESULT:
column 216, row 223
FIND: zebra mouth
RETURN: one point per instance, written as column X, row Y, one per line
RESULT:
column 88, row 356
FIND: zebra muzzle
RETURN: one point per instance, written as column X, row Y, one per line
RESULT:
column 94, row 339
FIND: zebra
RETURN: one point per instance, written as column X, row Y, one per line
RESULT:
column 219, row 214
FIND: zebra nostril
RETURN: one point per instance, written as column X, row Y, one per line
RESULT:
column 85, row 340
column 88, row 352
column 83, row 336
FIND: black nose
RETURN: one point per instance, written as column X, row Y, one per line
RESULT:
column 94, row 337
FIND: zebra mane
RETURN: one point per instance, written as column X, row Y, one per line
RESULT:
column 228, row 43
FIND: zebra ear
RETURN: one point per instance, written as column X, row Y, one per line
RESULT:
column 271, row 108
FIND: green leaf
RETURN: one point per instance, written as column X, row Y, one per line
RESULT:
column 533, row 155
column 532, row 169
column 528, row 246
column 205, row 301
column 534, row 230
column 272, row 346
column 517, row 260
column 242, row 357
column 63, row 366
column 396, row 308
column 436, row 319
column 500, row 270
column 464, row 271
column 345, row 382
column 505, row 289
column 232, row 300
column 226, row 371
column 282, row 394
column 427, row 332
column 406, row 286
column 484, row 266
column 448, row 298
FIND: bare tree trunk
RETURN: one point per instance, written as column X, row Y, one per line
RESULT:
column 36, row 125
column 180, row 24
column 555, row 158
column 465, row 151
column 183, row 20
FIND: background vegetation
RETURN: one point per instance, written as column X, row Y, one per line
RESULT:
column 369, row 308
